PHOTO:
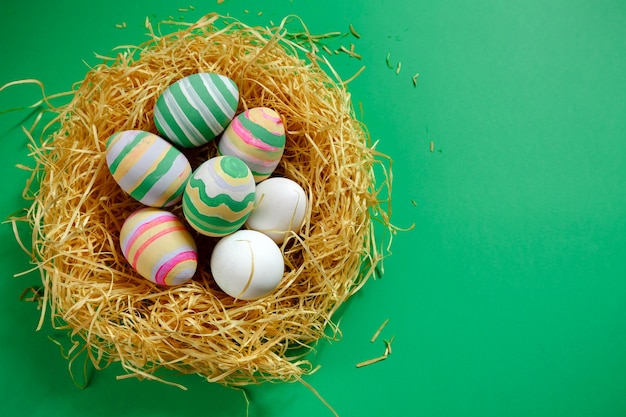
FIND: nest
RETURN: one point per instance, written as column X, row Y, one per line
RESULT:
column 78, row 209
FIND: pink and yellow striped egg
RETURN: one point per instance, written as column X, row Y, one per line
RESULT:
column 257, row 137
column 159, row 247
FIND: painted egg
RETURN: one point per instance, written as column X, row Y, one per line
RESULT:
column 247, row 265
column 279, row 208
column 195, row 109
column 147, row 167
column 256, row 136
column 159, row 247
column 219, row 196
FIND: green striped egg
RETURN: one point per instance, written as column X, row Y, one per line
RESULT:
column 256, row 136
column 219, row 196
column 147, row 167
column 196, row 109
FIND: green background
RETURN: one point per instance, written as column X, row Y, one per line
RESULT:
column 507, row 298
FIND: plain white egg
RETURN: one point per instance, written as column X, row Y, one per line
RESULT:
column 247, row 265
column 280, row 207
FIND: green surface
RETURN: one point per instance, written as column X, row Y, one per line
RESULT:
column 508, row 296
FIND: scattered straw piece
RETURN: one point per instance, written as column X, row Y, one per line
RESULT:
column 398, row 67
column 371, row 361
column 388, row 345
column 387, row 60
column 432, row 146
column 350, row 52
column 380, row 329
column 77, row 210
column 415, row 79
column 354, row 32
column 33, row 294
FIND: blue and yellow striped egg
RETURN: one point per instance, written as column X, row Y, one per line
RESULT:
column 195, row 109
column 159, row 247
column 256, row 136
column 219, row 196
column 147, row 167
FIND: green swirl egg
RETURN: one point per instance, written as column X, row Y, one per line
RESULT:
column 219, row 196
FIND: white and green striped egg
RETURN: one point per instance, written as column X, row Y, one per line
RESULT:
column 147, row 167
column 196, row 109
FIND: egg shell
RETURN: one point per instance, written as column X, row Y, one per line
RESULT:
column 219, row 196
column 195, row 109
column 247, row 265
column 256, row 136
column 159, row 247
column 147, row 167
column 280, row 207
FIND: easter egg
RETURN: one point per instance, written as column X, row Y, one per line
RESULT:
column 247, row 265
column 195, row 109
column 256, row 136
column 279, row 208
column 147, row 167
column 158, row 246
column 219, row 196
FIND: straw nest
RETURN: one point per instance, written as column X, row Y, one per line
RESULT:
column 77, row 211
